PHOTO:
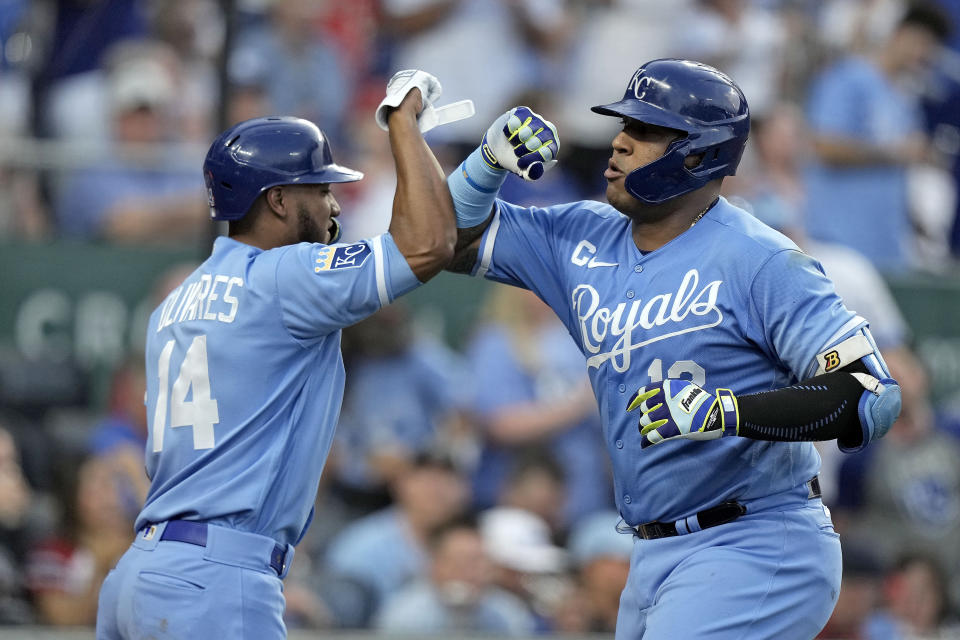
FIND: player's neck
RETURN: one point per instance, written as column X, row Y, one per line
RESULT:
column 254, row 241
column 266, row 235
column 652, row 231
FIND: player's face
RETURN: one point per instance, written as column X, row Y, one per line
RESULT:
column 638, row 144
column 316, row 208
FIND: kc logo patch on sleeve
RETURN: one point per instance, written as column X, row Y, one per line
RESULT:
column 341, row 257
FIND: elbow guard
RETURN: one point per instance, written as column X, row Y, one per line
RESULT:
column 879, row 408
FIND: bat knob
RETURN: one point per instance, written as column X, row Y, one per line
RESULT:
column 535, row 171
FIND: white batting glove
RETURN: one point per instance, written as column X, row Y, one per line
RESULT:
column 400, row 85
column 521, row 142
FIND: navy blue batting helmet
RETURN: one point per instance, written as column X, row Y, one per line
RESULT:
column 250, row 157
column 696, row 99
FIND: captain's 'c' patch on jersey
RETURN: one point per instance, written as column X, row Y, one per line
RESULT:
column 342, row 257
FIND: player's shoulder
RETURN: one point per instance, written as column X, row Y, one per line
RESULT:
column 581, row 215
column 744, row 234
column 591, row 209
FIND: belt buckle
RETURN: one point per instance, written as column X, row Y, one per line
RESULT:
column 653, row 531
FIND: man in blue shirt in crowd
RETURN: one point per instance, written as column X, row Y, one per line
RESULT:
column 867, row 131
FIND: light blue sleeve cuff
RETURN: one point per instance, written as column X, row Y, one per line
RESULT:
column 394, row 275
column 474, row 186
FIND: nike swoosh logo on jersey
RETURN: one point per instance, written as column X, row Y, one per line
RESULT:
column 596, row 263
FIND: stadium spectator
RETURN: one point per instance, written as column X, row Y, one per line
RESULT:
column 64, row 573
column 536, row 483
column 610, row 37
column 138, row 194
column 461, row 41
column 69, row 81
column 601, row 557
column 858, row 614
column 917, row 597
column 856, row 25
column 867, row 134
column 415, row 381
column 292, row 49
column 904, row 494
column 386, row 549
column 532, row 389
column 20, row 525
column 193, row 30
column 458, row 594
column 527, row 562
column 119, row 439
column 23, row 214
column 744, row 40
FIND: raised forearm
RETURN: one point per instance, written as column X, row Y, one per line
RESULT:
column 423, row 220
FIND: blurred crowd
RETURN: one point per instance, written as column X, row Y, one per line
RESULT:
column 468, row 488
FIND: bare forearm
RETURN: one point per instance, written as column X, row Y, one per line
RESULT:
column 423, row 220
column 157, row 222
column 467, row 248
column 413, row 23
column 528, row 423
column 846, row 153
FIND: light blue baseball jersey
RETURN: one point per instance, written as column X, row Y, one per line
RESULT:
column 729, row 303
column 245, row 379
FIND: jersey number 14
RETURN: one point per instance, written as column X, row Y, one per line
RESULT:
column 201, row 411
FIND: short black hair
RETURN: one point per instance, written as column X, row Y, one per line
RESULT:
column 928, row 16
column 466, row 520
column 246, row 223
column 536, row 459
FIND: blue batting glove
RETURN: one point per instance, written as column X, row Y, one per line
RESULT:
column 675, row 409
column 521, row 142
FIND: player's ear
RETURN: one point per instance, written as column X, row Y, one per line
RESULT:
column 693, row 160
column 274, row 199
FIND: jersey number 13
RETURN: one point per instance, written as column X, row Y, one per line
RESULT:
column 200, row 412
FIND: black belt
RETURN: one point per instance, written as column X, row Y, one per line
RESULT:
column 196, row 533
column 720, row 514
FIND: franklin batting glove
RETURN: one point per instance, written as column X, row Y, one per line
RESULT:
column 521, row 142
column 680, row 409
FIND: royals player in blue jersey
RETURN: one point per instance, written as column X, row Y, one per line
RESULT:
column 245, row 376
column 741, row 350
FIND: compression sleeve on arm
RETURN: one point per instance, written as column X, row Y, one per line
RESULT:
column 474, row 186
column 824, row 407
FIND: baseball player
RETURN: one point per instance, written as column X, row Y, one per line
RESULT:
column 741, row 350
column 245, row 376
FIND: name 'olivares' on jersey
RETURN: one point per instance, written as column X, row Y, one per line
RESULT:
column 194, row 301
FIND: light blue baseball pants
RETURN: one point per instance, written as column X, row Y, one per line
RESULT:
column 170, row 589
column 772, row 573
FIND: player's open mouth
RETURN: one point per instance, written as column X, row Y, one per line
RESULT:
column 333, row 231
column 612, row 172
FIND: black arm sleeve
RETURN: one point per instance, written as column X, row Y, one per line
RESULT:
column 824, row 407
